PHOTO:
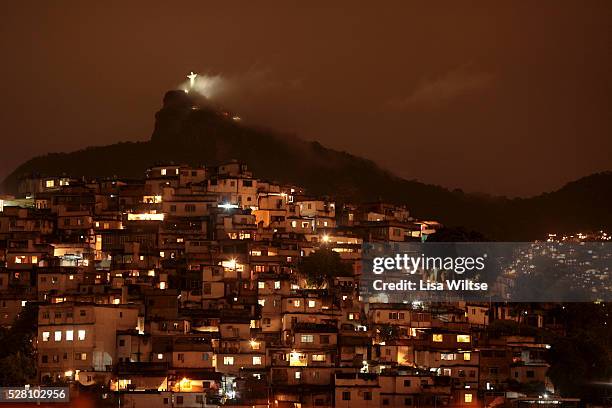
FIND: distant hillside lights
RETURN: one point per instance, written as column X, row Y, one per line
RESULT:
column 597, row 236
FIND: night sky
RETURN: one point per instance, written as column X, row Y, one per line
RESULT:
column 508, row 98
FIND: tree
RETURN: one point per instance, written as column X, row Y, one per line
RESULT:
column 582, row 359
column 322, row 266
column 456, row 234
column 17, row 354
column 388, row 332
column 17, row 369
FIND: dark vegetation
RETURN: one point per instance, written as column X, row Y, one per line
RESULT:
column 204, row 136
column 322, row 266
column 17, row 350
column 580, row 356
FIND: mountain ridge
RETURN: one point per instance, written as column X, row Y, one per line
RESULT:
column 190, row 131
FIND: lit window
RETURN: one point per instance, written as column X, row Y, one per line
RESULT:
column 58, row 336
column 311, row 303
column 467, row 356
column 163, row 172
column 437, row 338
column 69, row 335
column 467, row 398
column 81, row 335
column 298, row 375
column 262, row 302
column 296, row 303
column 463, row 338
column 256, row 360
column 297, row 359
column 261, row 285
column 228, row 360
column 307, row 338
column 160, row 356
column 277, row 285
column 45, row 336
column 318, row 357
column 50, row 183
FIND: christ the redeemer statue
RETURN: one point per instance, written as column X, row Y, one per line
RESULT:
column 192, row 78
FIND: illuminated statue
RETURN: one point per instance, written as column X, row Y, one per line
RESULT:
column 192, row 78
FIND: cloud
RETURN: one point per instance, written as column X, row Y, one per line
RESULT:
column 236, row 88
column 206, row 85
column 443, row 89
